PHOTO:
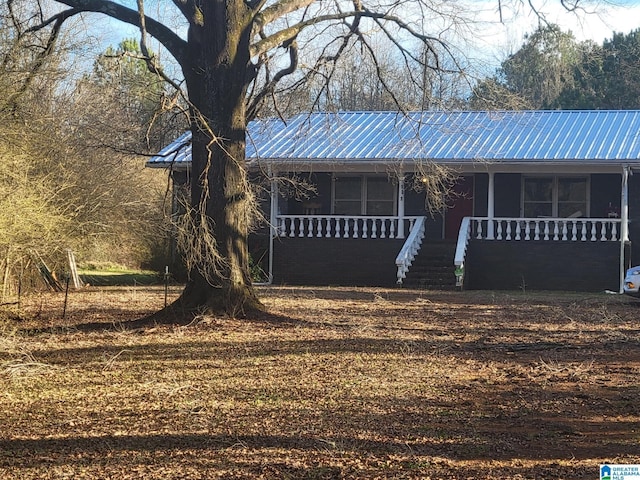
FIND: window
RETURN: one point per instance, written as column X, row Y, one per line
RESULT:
column 538, row 197
column 347, row 196
column 572, row 196
column 554, row 197
column 364, row 196
column 380, row 196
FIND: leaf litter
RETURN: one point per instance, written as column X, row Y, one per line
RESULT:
column 344, row 383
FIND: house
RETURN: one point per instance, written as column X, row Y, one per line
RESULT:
column 542, row 199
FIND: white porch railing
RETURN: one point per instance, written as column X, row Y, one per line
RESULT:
column 464, row 235
column 546, row 229
column 536, row 229
column 342, row 226
column 410, row 249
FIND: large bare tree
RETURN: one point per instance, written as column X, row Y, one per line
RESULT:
column 233, row 55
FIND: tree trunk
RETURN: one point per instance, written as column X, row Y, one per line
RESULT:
column 217, row 80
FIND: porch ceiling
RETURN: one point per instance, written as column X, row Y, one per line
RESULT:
column 366, row 141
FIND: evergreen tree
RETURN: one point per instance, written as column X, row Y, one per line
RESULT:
column 607, row 76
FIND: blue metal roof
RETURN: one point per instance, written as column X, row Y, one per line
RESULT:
column 450, row 137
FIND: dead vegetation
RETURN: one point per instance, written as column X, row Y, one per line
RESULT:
column 333, row 383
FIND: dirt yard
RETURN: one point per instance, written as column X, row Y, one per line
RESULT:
column 334, row 383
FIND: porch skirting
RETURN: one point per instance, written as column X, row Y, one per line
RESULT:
column 542, row 265
column 335, row 261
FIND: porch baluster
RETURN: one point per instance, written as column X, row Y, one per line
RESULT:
column 347, row 229
column 312, row 224
column 355, row 228
column 330, row 222
column 292, row 228
column 584, row 231
column 392, row 229
column 338, row 227
column 383, row 228
column 614, row 232
column 365, row 229
column 556, row 231
column 479, row 235
column 498, row 230
column 574, row 231
column 301, row 227
column 518, row 230
column 594, row 231
column 603, row 232
column 546, row 229
column 374, row 228
column 565, row 230
column 508, row 229
column 536, row 235
column 527, row 230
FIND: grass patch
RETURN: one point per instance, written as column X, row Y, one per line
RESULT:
column 120, row 277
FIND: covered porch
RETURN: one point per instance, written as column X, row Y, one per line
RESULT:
column 594, row 234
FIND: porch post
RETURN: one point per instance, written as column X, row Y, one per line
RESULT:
column 400, row 205
column 624, row 223
column 491, row 206
column 273, row 218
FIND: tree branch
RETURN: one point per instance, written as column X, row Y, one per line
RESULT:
column 169, row 39
column 38, row 64
column 280, row 37
column 271, row 85
column 186, row 8
column 278, row 10
column 151, row 60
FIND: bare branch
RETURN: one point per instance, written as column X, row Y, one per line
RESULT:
column 37, row 65
column 152, row 63
column 270, row 87
column 291, row 32
column 166, row 36
column 186, row 8
column 278, row 10
column 387, row 88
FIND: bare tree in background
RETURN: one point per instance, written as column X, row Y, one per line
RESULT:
column 233, row 57
column 59, row 187
column 376, row 79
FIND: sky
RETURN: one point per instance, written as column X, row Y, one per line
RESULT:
column 489, row 41
column 596, row 23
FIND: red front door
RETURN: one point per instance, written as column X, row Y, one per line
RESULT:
column 462, row 199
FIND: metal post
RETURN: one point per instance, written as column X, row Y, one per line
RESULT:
column 624, row 222
column 273, row 218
